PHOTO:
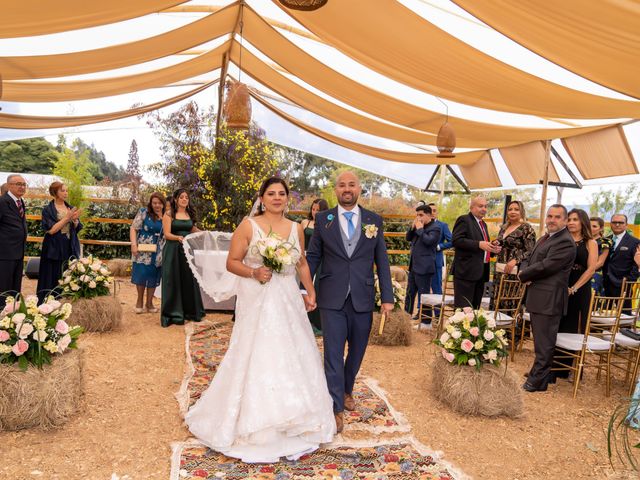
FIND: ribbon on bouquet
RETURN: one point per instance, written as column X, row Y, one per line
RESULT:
column 383, row 318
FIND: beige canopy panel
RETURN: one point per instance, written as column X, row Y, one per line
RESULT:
column 469, row 133
column 526, row 163
column 22, row 18
column 466, row 158
column 481, row 174
column 401, row 45
column 601, row 154
column 29, row 122
column 590, row 38
column 123, row 55
column 25, row 91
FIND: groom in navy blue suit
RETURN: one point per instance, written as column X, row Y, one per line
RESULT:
column 348, row 240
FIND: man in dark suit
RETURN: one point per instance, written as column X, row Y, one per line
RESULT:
column 13, row 236
column 620, row 263
column 546, row 272
column 348, row 240
column 423, row 235
column 473, row 250
column 443, row 244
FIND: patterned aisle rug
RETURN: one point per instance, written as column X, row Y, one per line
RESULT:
column 403, row 458
column 206, row 344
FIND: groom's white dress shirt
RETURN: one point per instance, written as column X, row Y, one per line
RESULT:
column 344, row 225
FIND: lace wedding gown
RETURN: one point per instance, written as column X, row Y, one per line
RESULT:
column 269, row 397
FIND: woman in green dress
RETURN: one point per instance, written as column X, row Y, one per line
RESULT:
column 308, row 224
column 181, row 298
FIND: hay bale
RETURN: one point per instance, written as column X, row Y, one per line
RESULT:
column 119, row 267
column 399, row 274
column 98, row 314
column 41, row 398
column 490, row 392
column 397, row 329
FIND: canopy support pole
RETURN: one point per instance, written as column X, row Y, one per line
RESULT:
column 223, row 74
column 545, row 184
column 443, row 173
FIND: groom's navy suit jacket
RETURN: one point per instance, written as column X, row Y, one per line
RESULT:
column 341, row 272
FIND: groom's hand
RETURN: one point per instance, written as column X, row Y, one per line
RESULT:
column 309, row 302
column 386, row 308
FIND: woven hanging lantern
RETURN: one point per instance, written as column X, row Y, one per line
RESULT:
column 306, row 5
column 446, row 141
column 237, row 106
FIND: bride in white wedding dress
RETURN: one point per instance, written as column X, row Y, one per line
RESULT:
column 269, row 397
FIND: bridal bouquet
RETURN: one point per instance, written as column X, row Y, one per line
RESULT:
column 276, row 253
column 472, row 339
column 86, row 277
column 32, row 333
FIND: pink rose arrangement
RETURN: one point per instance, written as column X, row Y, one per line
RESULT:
column 471, row 339
column 32, row 334
column 86, row 277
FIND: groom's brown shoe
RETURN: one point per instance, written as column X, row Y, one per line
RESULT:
column 349, row 402
column 339, row 422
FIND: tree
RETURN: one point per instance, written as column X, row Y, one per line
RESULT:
column 101, row 168
column 133, row 164
column 224, row 175
column 606, row 203
column 30, row 155
column 75, row 171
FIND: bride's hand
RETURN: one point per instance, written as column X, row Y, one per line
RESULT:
column 262, row 274
column 309, row 302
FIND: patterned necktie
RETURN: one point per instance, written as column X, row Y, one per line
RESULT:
column 20, row 208
column 487, row 255
column 544, row 238
column 351, row 228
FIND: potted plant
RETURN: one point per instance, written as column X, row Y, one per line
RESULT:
column 40, row 371
column 466, row 375
column 86, row 284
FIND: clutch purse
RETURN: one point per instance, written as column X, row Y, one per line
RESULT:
column 500, row 268
column 147, row 247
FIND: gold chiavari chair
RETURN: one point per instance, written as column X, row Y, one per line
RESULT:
column 433, row 305
column 507, row 308
column 626, row 354
column 596, row 341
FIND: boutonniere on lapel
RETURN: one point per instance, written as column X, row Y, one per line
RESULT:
column 330, row 218
column 370, row 230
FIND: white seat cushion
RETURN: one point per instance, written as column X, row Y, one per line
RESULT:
column 573, row 341
column 502, row 319
column 485, row 302
column 435, row 299
column 624, row 320
column 624, row 341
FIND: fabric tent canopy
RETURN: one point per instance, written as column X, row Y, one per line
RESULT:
column 391, row 40
column 592, row 39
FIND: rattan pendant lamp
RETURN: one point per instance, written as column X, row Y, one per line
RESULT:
column 305, row 5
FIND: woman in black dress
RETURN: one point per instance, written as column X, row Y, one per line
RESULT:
column 61, row 224
column 308, row 224
column 582, row 271
column 517, row 238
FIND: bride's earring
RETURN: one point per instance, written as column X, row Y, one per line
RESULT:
column 286, row 209
column 262, row 207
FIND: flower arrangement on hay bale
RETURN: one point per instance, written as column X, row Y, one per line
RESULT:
column 38, row 336
column 466, row 375
column 396, row 329
column 86, row 284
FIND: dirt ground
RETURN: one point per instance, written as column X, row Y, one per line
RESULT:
column 130, row 417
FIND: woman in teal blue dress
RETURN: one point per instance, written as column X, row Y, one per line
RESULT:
column 181, row 298
column 146, row 244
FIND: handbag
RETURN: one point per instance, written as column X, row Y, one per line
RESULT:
column 147, row 247
column 500, row 268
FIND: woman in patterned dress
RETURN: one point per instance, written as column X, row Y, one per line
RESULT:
column 517, row 238
column 146, row 269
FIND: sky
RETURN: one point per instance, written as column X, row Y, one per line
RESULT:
column 114, row 138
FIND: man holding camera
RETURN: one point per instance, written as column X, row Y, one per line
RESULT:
column 424, row 236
